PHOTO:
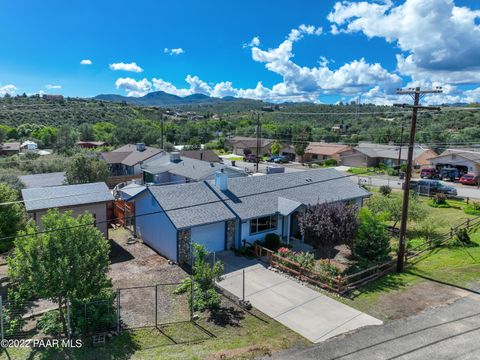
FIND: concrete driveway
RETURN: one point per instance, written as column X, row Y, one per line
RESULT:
column 315, row 316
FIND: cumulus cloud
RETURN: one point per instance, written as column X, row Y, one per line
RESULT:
column 86, row 62
column 53, row 87
column 254, row 42
column 438, row 40
column 134, row 87
column 8, row 89
column 133, row 67
column 174, row 51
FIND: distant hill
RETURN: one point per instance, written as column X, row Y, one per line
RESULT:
column 161, row 98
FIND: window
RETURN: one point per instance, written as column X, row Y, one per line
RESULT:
column 314, row 157
column 263, row 224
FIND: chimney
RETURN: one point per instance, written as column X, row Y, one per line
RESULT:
column 175, row 157
column 221, row 180
column 140, row 147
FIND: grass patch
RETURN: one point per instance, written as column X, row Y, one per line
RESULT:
column 237, row 335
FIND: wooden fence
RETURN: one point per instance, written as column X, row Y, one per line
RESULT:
column 344, row 284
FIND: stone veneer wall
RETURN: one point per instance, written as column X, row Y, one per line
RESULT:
column 184, row 251
column 230, row 234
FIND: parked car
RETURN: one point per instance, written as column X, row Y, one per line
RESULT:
column 250, row 158
column 432, row 187
column 450, row 174
column 428, row 173
column 289, row 156
column 470, row 179
column 271, row 158
column 281, row 160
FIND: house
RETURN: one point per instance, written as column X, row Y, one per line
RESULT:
column 80, row 198
column 174, row 168
column 43, row 180
column 240, row 144
column 29, row 145
column 465, row 160
column 367, row 154
column 201, row 154
column 127, row 159
column 90, row 144
column 225, row 212
column 318, row 151
column 9, row 148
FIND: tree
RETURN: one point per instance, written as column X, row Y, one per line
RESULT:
column 205, row 295
column 275, row 148
column 372, row 241
column 12, row 216
column 59, row 265
column 83, row 170
column 391, row 208
column 66, row 138
column 3, row 135
column 329, row 224
column 86, row 132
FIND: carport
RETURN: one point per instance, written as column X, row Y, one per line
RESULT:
column 313, row 315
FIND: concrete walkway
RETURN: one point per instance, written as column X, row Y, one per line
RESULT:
column 315, row 316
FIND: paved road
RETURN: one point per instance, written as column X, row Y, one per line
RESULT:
column 449, row 332
column 311, row 314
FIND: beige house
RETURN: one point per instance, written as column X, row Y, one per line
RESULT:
column 319, row 151
column 93, row 198
column 238, row 145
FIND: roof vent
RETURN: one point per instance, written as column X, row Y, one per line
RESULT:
column 140, row 147
column 175, row 157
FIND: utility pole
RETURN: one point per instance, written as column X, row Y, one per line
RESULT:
column 161, row 131
column 259, row 130
column 416, row 94
column 400, row 151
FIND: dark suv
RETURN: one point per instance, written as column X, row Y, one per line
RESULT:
column 432, row 187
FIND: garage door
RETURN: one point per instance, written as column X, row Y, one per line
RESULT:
column 211, row 236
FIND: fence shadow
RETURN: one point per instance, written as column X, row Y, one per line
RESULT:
column 118, row 254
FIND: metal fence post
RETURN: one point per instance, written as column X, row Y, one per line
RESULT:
column 191, row 298
column 1, row 317
column 243, row 285
column 118, row 311
column 156, row 305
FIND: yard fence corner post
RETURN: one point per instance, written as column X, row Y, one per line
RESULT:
column 156, row 305
column 192, row 292
column 118, row 311
column 1, row 317
column 243, row 286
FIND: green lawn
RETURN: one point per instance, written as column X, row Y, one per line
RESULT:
column 237, row 335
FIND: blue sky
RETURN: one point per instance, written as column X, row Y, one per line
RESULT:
column 309, row 50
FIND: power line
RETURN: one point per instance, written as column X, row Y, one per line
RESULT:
column 190, row 206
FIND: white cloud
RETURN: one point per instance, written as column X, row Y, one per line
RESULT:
column 133, row 67
column 473, row 95
column 86, row 62
column 254, row 42
column 134, row 87
column 439, row 41
column 53, row 87
column 8, row 89
column 174, row 51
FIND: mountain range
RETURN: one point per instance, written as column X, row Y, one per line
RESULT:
column 161, row 98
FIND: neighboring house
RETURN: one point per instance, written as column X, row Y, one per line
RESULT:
column 224, row 213
column 205, row 155
column 29, row 145
column 43, row 180
column 318, row 151
column 9, row 148
column 90, row 144
column 92, row 197
column 173, row 168
column 238, row 145
column 467, row 161
column 127, row 160
column 368, row 154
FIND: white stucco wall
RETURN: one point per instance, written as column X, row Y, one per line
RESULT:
column 98, row 210
column 156, row 230
column 212, row 236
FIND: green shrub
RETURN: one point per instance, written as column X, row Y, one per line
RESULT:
column 330, row 162
column 463, row 236
column 473, row 208
column 326, row 268
column 50, row 323
column 439, row 201
column 372, row 240
column 272, row 242
column 392, row 172
column 385, row 190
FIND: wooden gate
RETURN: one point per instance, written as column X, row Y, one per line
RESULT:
column 124, row 213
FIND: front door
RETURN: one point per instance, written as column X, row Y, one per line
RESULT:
column 294, row 228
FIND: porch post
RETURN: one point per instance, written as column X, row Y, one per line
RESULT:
column 288, row 228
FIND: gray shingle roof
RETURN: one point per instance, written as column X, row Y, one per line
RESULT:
column 43, row 180
column 250, row 197
column 190, row 197
column 469, row 155
column 128, row 155
column 66, row 195
column 387, row 151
